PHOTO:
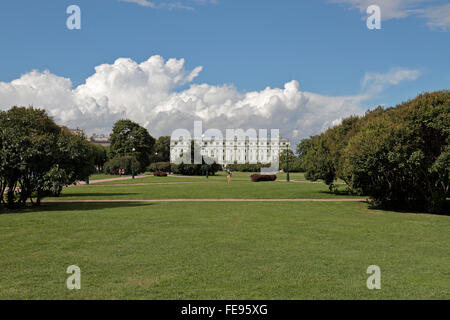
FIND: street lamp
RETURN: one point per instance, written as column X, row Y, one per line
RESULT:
column 207, row 175
column 287, row 163
column 132, row 164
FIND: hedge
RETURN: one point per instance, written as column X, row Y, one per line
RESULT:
column 247, row 167
column 125, row 162
column 263, row 177
column 160, row 166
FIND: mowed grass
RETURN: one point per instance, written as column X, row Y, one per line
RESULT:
column 222, row 251
column 204, row 189
column 219, row 177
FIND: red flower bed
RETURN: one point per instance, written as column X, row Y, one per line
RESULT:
column 160, row 174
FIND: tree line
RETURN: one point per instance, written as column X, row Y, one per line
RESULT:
column 399, row 156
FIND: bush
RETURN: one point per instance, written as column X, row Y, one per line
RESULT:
column 295, row 165
column 113, row 165
column 159, row 166
column 160, row 174
column 263, row 177
column 247, row 167
column 195, row 169
column 398, row 156
column 38, row 157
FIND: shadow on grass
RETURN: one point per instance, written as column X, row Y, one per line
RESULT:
column 90, row 206
column 91, row 194
column 411, row 209
column 339, row 193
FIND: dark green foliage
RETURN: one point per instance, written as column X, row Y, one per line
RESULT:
column 161, row 150
column 263, row 177
column 247, row 167
column 295, row 163
column 196, row 169
column 125, row 163
column 100, row 156
column 160, row 166
column 398, row 156
column 128, row 135
column 37, row 157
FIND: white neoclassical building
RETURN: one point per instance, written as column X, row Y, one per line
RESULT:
column 231, row 151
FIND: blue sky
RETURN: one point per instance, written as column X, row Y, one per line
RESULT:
column 323, row 45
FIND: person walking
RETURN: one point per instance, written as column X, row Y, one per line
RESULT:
column 120, row 172
column 229, row 175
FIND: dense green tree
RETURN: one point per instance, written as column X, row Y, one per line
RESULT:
column 398, row 156
column 37, row 157
column 128, row 135
column 303, row 147
column 295, row 163
column 100, row 154
column 125, row 163
column 317, row 162
column 161, row 150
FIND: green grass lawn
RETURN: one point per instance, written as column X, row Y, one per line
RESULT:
column 270, row 250
column 222, row 251
column 212, row 189
column 220, row 176
column 101, row 176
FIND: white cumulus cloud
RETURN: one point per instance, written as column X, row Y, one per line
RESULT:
column 374, row 82
column 151, row 94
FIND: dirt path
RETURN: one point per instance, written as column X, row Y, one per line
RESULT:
column 149, row 183
column 112, row 179
column 206, row 200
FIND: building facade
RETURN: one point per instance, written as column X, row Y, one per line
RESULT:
column 234, row 151
column 100, row 139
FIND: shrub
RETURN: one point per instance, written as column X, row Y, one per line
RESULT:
column 116, row 163
column 159, row 166
column 263, row 177
column 247, row 167
column 160, row 174
column 195, row 169
column 398, row 156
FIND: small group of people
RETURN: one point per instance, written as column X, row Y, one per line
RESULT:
column 121, row 172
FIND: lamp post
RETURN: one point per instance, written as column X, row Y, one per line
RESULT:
column 132, row 164
column 287, row 163
column 207, row 174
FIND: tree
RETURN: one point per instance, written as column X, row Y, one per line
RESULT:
column 294, row 162
column 398, row 156
column 100, row 156
column 318, row 163
column 161, row 150
column 37, row 157
column 128, row 135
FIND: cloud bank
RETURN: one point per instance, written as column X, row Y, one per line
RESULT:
column 151, row 94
